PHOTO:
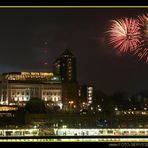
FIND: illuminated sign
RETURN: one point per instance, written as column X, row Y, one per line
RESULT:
column 8, row 108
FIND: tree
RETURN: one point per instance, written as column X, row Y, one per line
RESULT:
column 99, row 98
column 35, row 105
column 56, row 108
column 120, row 99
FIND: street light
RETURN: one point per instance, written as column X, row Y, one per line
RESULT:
column 71, row 103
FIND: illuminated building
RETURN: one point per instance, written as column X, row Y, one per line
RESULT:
column 56, row 88
column 70, row 94
column 18, row 87
column 85, row 93
column 132, row 113
column 101, row 132
column 89, row 94
column 65, row 66
column 19, row 132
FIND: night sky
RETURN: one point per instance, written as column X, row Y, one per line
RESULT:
column 24, row 33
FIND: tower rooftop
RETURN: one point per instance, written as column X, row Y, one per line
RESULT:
column 67, row 53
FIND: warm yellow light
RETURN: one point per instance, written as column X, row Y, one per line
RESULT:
column 7, row 108
column 71, row 102
column 28, row 75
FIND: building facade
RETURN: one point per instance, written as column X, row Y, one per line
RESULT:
column 57, row 88
column 85, row 93
column 19, row 87
column 65, row 66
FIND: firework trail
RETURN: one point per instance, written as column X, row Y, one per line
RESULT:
column 124, row 34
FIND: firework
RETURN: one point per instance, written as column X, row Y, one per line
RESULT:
column 142, row 52
column 144, row 25
column 124, row 34
column 143, row 18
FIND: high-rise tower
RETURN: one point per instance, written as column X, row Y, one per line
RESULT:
column 65, row 66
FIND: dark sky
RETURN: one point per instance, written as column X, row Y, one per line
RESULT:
column 23, row 33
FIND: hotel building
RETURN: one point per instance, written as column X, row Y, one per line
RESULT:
column 57, row 88
column 18, row 87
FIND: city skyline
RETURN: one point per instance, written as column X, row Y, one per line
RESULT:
column 31, row 39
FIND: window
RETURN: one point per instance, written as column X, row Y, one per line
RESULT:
column 56, row 99
column 90, row 88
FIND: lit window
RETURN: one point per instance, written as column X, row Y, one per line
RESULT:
column 100, row 109
column 90, row 88
column 20, row 99
column 25, row 99
column 15, row 99
column 89, row 98
column 89, row 91
column 89, row 95
column 116, row 108
column 124, row 112
column 56, row 99
column 89, row 102
column 143, row 113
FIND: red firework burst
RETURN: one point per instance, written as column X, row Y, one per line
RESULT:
column 124, row 34
column 143, row 19
column 142, row 52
